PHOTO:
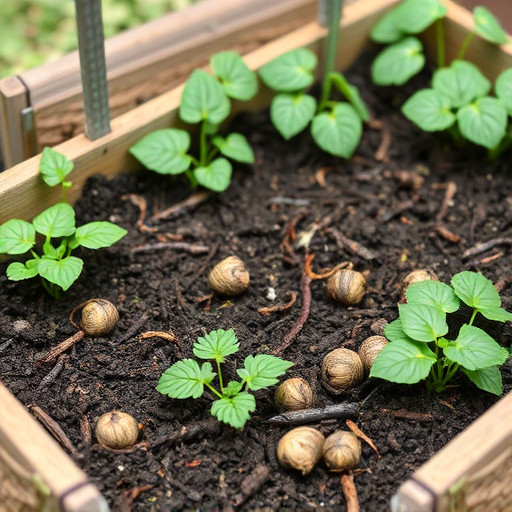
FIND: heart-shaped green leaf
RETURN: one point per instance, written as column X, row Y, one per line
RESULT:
column 291, row 113
column 386, row 30
column 421, row 322
column 54, row 167
column 488, row 379
column 215, row 176
column 237, row 80
column 396, row 64
column 504, row 89
column 414, row 16
column 290, row 72
column 394, row 332
column 236, row 147
column 496, row 314
column 164, row 151
column 433, row 293
column 338, row 132
column 16, row 236
column 203, row 99
column 462, row 83
column 61, row 272
column 430, row 110
column 56, row 221
column 18, row 271
column 483, row 122
column 488, row 27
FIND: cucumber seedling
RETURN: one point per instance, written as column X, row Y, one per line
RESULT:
column 205, row 101
column 233, row 403
column 418, row 348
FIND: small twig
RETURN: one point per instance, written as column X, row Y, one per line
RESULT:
column 183, row 207
column 350, row 492
column 341, row 411
column 141, row 203
column 252, row 483
column 143, row 445
column 206, row 262
column 125, row 501
column 447, row 234
column 182, row 305
column 85, row 430
column 353, row 246
column 304, row 313
column 289, row 201
column 320, row 176
column 397, row 210
column 409, row 415
column 289, row 255
column 326, row 273
column 4, row 346
column 381, row 155
column 178, row 246
column 450, row 191
column 485, row 261
column 485, row 246
column 138, row 324
column 280, row 307
column 205, row 298
column 54, row 372
column 355, row 429
column 61, row 347
column 208, row 427
column 53, row 427
column 169, row 336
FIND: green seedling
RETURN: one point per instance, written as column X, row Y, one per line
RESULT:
column 234, row 403
column 419, row 349
column 336, row 127
column 205, row 101
column 459, row 98
column 53, row 261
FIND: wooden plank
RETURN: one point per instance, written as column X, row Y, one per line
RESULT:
column 473, row 472
column 34, row 471
column 22, row 192
column 149, row 60
column 13, row 99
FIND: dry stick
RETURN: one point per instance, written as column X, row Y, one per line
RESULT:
column 143, row 445
column 178, row 209
column 85, row 430
column 289, row 255
column 280, row 307
column 252, row 483
column 54, row 373
column 141, row 203
column 180, row 301
column 381, row 155
column 134, row 327
column 206, row 262
column 486, row 260
column 353, row 246
column 326, row 273
column 342, row 411
column 409, row 415
column 447, row 234
column 61, row 347
column 210, row 426
column 350, row 492
column 53, row 427
column 178, row 246
column 451, row 189
column 165, row 335
column 304, row 313
column 485, row 246
column 355, row 429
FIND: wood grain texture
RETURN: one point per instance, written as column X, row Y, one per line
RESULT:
column 24, row 195
column 34, row 471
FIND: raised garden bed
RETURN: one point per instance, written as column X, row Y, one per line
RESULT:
column 156, row 290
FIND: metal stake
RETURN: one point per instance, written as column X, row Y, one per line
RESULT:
column 91, row 48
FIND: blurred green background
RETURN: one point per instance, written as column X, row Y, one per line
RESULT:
column 33, row 32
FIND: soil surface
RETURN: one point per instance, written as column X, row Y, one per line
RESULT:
column 400, row 223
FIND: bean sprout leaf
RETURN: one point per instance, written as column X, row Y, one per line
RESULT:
column 17, row 236
column 237, row 80
column 291, row 113
column 422, row 322
column 430, row 110
column 234, row 410
column 488, row 379
column 488, row 27
column 63, row 272
column 262, row 370
column 215, row 176
column 56, row 221
column 216, row 345
column 185, row 379
column 433, row 293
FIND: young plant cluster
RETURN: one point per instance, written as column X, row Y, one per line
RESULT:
column 234, row 403
column 53, row 262
column 459, row 98
column 205, row 101
column 419, row 349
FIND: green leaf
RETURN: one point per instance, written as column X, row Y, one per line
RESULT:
column 262, row 370
column 488, row 27
column 18, row 271
column 404, row 362
column 351, row 93
column 414, row 16
column 291, row 113
column 421, row 322
column 95, row 235
column 51, row 252
column 496, row 314
column 397, row 63
column 483, row 122
column 475, row 349
column 430, row 110
column 164, row 151
column 433, row 293
column 203, row 99
column 290, row 72
column 338, row 132
column 394, row 332
column 185, row 379
column 233, row 388
column 235, row 146
column 475, row 290
column 462, row 83
column 504, row 89
column 386, row 30
column 216, row 345
column 215, row 176
column 488, row 379
column 237, row 80
column 61, row 272
column 56, row 221
column 16, row 236
column 235, row 410
column 54, row 167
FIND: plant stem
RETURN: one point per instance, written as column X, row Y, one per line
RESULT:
column 202, row 145
column 213, row 390
column 475, row 311
column 450, row 373
column 219, row 374
column 52, row 289
column 191, row 178
column 465, row 45
column 440, row 43
column 334, row 17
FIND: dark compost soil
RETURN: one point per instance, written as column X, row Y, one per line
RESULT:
column 363, row 199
